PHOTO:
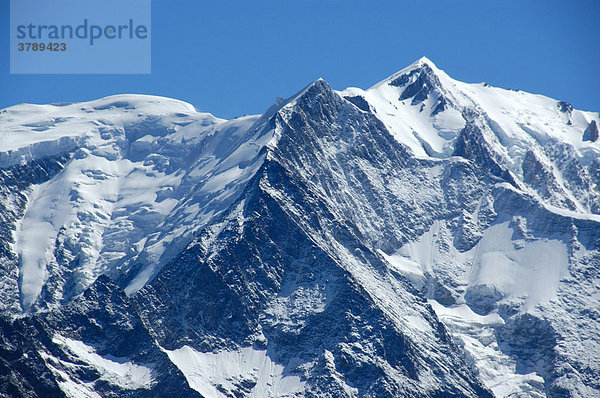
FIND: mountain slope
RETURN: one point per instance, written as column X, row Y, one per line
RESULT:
column 285, row 265
column 143, row 174
column 424, row 237
column 545, row 144
column 523, row 268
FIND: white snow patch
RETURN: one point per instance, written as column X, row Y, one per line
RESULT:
column 73, row 388
column 531, row 270
column 520, row 271
column 210, row 373
column 475, row 333
column 407, row 267
column 116, row 371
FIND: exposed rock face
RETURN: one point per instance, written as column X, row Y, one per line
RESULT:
column 94, row 345
column 421, row 238
column 360, row 102
column 283, row 238
column 541, row 177
column 591, row 133
column 565, row 107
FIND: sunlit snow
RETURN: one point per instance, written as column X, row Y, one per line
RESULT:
column 222, row 373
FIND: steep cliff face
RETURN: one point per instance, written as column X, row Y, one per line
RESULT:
column 424, row 237
column 293, row 271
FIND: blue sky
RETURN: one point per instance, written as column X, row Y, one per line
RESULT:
column 234, row 57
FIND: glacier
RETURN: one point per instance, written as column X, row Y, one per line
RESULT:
column 422, row 237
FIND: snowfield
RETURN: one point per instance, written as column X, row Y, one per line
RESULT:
column 215, row 374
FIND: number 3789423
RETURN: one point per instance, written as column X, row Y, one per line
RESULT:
column 42, row 46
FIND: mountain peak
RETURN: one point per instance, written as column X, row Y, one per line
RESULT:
column 424, row 61
column 422, row 65
column 318, row 84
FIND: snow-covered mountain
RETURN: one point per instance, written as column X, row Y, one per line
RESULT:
column 423, row 237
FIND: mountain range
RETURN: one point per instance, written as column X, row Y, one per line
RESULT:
column 422, row 238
